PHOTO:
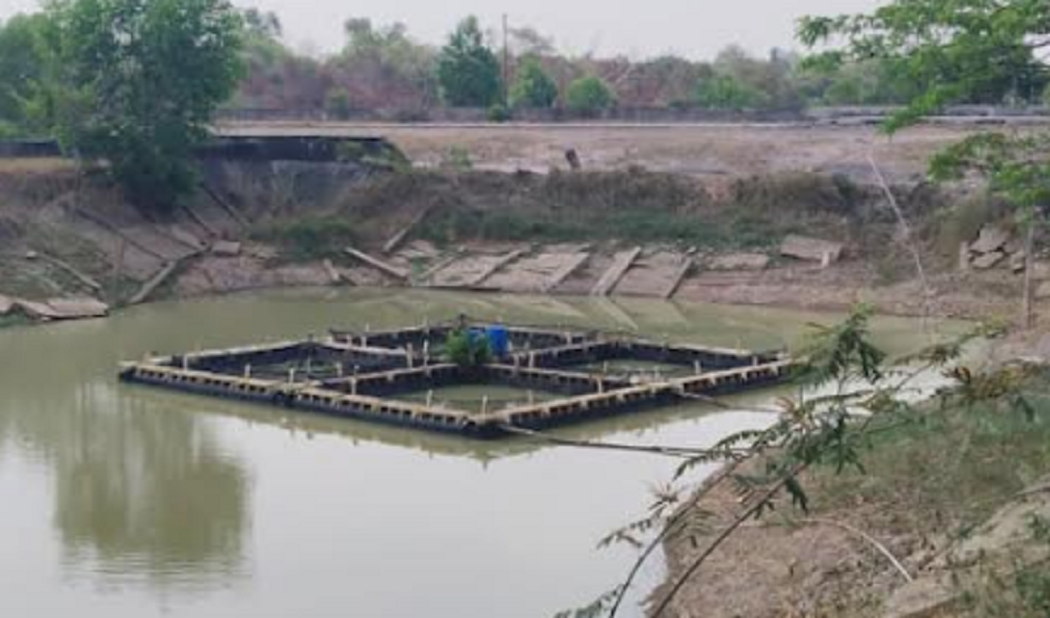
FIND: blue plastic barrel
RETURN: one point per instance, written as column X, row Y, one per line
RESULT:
column 499, row 340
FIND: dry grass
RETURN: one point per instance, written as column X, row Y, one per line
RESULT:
column 35, row 166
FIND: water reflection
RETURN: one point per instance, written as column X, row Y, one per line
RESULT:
column 143, row 493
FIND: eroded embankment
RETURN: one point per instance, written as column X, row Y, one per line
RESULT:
column 800, row 239
column 946, row 518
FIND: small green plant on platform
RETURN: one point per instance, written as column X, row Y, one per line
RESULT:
column 468, row 349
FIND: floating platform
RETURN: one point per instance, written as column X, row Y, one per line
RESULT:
column 391, row 377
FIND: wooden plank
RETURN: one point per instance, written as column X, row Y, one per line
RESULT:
column 378, row 264
column 679, row 278
column 154, row 283
column 230, row 210
column 200, row 221
column 400, row 237
column 69, row 268
column 439, row 266
column 109, row 227
column 495, row 267
column 333, row 275
column 619, row 268
column 566, row 272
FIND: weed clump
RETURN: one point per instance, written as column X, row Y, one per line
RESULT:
column 310, row 238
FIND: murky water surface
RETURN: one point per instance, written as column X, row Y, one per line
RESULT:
column 121, row 501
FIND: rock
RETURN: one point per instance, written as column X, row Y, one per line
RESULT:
column 1014, row 245
column 923, row 598
column 1043, row 291
column 739, row 261
column 812, row 249
column 6, row 305
column 992, row 239
column 1018, row 261
column 989, row 260
column 188, row 238
column 226, row 248
column 1041, row 270
column 32, row 255
column 36, row 311
column 78, row 308
column 333, row 275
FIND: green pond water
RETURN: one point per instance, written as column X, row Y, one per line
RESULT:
column 121, row 501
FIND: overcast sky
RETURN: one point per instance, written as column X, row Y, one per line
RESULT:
column 694, row 28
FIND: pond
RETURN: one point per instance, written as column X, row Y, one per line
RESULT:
column 122, row 501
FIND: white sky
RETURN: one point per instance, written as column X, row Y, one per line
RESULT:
column 694, row 28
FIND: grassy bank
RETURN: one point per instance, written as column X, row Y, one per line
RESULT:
column 632, row 205
column 930, row 491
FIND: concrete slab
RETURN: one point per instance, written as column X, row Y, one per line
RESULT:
column 654, row 275
column 811, row 249
column 622, row 263
column 78, row 308
column 738, row 261
column 535, row 274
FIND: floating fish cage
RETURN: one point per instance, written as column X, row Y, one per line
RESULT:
column 556, row 376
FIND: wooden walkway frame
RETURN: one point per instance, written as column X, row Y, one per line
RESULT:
column 374, row 396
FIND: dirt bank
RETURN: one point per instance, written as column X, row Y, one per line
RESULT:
column 613, row 230
column 962, row 502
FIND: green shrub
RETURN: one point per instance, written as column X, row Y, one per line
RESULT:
column 534, row 88
column 468, row 350
column 337, row 104
column 310, row 238
column 499, row 113
column 723, row 92
column 589, row 96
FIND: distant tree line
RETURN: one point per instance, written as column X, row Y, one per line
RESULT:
column 384, row 68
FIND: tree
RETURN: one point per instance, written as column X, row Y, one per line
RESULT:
column 21, row 69
column 383, row 66
column 723, row 92
column 589, row 96
column 262, row 25
column 763, row 83
column 953, row 51
column 534, row 87
column 135, row 83
column 468, row 71
column 527, row 41
column 337, row 104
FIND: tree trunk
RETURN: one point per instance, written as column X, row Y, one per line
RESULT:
column 1029, row 276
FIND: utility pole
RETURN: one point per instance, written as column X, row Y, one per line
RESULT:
column 506, row 65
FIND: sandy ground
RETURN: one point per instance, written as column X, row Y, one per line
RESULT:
column 696, row 150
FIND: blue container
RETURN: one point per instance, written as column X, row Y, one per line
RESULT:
column 499, row 340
